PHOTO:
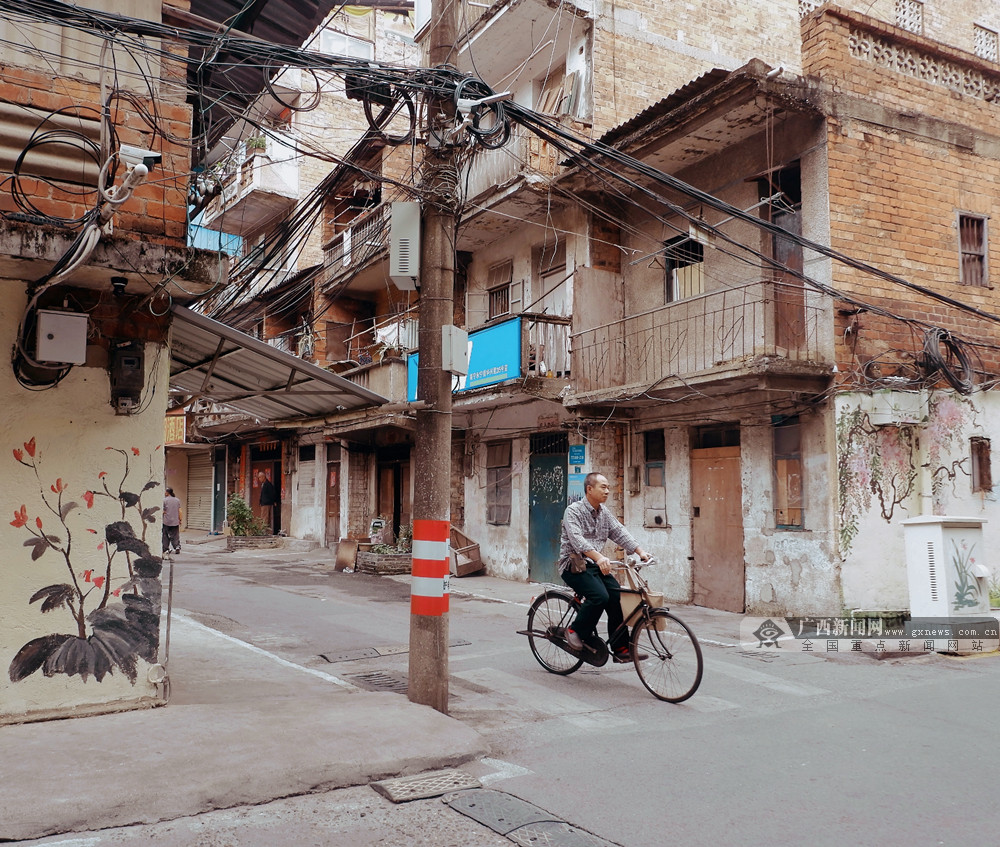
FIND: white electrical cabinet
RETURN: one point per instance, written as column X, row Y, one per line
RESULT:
column 946, row 567
column 61, row 337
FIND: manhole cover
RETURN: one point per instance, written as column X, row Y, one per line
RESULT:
column 498, row 810
column 380, row 681
column 555, row 834
column 350, row 655
column 424, row 785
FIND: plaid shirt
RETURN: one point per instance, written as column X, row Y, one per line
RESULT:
column 586, row 528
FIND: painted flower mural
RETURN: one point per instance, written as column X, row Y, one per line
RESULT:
column 115, row 610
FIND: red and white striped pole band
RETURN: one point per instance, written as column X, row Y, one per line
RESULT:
column 431, row 571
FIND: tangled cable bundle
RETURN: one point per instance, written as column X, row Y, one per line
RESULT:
column 954, row 365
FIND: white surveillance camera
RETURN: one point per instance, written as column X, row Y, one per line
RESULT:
column 133, row 156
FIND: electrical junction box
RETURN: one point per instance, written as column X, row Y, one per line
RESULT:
column 944, row 564
column 404, row 245
column 898, row 408
column 61, row 337
column 454, row 350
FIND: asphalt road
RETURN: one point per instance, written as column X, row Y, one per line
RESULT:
column 775, row 747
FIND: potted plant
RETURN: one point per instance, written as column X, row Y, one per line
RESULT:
column 247, row 529
column 384, row 558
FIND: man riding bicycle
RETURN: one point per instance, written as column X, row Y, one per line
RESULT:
column 586, row 528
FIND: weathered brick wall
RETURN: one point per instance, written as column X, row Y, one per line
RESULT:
column 902, row 168
column 157, row 210
column 646, row 49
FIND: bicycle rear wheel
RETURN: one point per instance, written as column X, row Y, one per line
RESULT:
column 672, row 668
column 549, row 616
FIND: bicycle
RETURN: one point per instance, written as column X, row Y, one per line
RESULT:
column 672, row 665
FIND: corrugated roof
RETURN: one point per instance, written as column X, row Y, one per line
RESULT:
column 666, row 105
column 284, row 22
column 215, row 362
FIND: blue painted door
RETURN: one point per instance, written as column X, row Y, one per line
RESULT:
column 547, row 502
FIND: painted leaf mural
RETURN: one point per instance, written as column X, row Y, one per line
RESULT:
column 114, row 611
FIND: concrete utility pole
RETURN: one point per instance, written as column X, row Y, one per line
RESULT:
column 428, row 669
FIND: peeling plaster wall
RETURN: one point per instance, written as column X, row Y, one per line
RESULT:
column 503, row 548
column 73, row 427
column 874, row 501
column 789, row 571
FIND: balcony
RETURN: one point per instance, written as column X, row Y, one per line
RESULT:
column 525, row 155
column 529, row 346
column 262, row 187
column 357, row 248
column 760, row 328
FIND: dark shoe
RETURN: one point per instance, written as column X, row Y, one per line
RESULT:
column 573, row 640
column 625, row 656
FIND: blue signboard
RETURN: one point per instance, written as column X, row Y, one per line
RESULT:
column 494, row 356
column 574, row 487
column 577, row 454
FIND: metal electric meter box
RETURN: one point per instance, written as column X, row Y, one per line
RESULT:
column 61, row 337
column 404, row 245
column 946, row 567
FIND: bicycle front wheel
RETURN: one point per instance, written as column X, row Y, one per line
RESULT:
column 549, row 616
column 671, row 668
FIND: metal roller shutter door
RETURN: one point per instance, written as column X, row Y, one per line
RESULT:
column 198, row 509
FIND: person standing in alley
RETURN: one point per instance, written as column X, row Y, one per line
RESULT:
column 268, row 497
column 171, row 522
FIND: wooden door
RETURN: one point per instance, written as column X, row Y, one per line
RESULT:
column 789, row 292
column 332, row 503
column 719, row 569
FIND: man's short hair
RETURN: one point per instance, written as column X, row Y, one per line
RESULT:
column 590, row 480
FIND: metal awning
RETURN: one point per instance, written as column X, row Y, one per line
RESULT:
column 212, row 361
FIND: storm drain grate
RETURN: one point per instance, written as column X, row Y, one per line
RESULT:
column 380, row 681
column 424, row 785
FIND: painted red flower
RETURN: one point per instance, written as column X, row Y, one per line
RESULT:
column 20, row 517
column 135, row 451
column 99, row 581
column 100, row 546
column 102, row 474
column 59, row 486
column 94, row 531
column 19, row 454
column 38, row 522
column 88, row 498
column 117, row 592
column 30, row 447
column 87, row 575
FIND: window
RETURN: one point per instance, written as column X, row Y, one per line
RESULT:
column 499, row 286
column 685, row 269
column 498, row 488
column 972, row 249
column 341, row 44
column 788, row 505
column 656, row 454
column 986, row 43
column 982, row 471
column 910, row 16
column 307, row 453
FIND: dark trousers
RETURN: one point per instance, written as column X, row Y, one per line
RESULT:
column 171, row 538
column 600, row 592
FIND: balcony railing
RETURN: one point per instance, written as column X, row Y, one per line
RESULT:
column 524, row 153
column 547, row 339
column 263, row 185
column 691, row 338
column 392, row 336
column 357, row 245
